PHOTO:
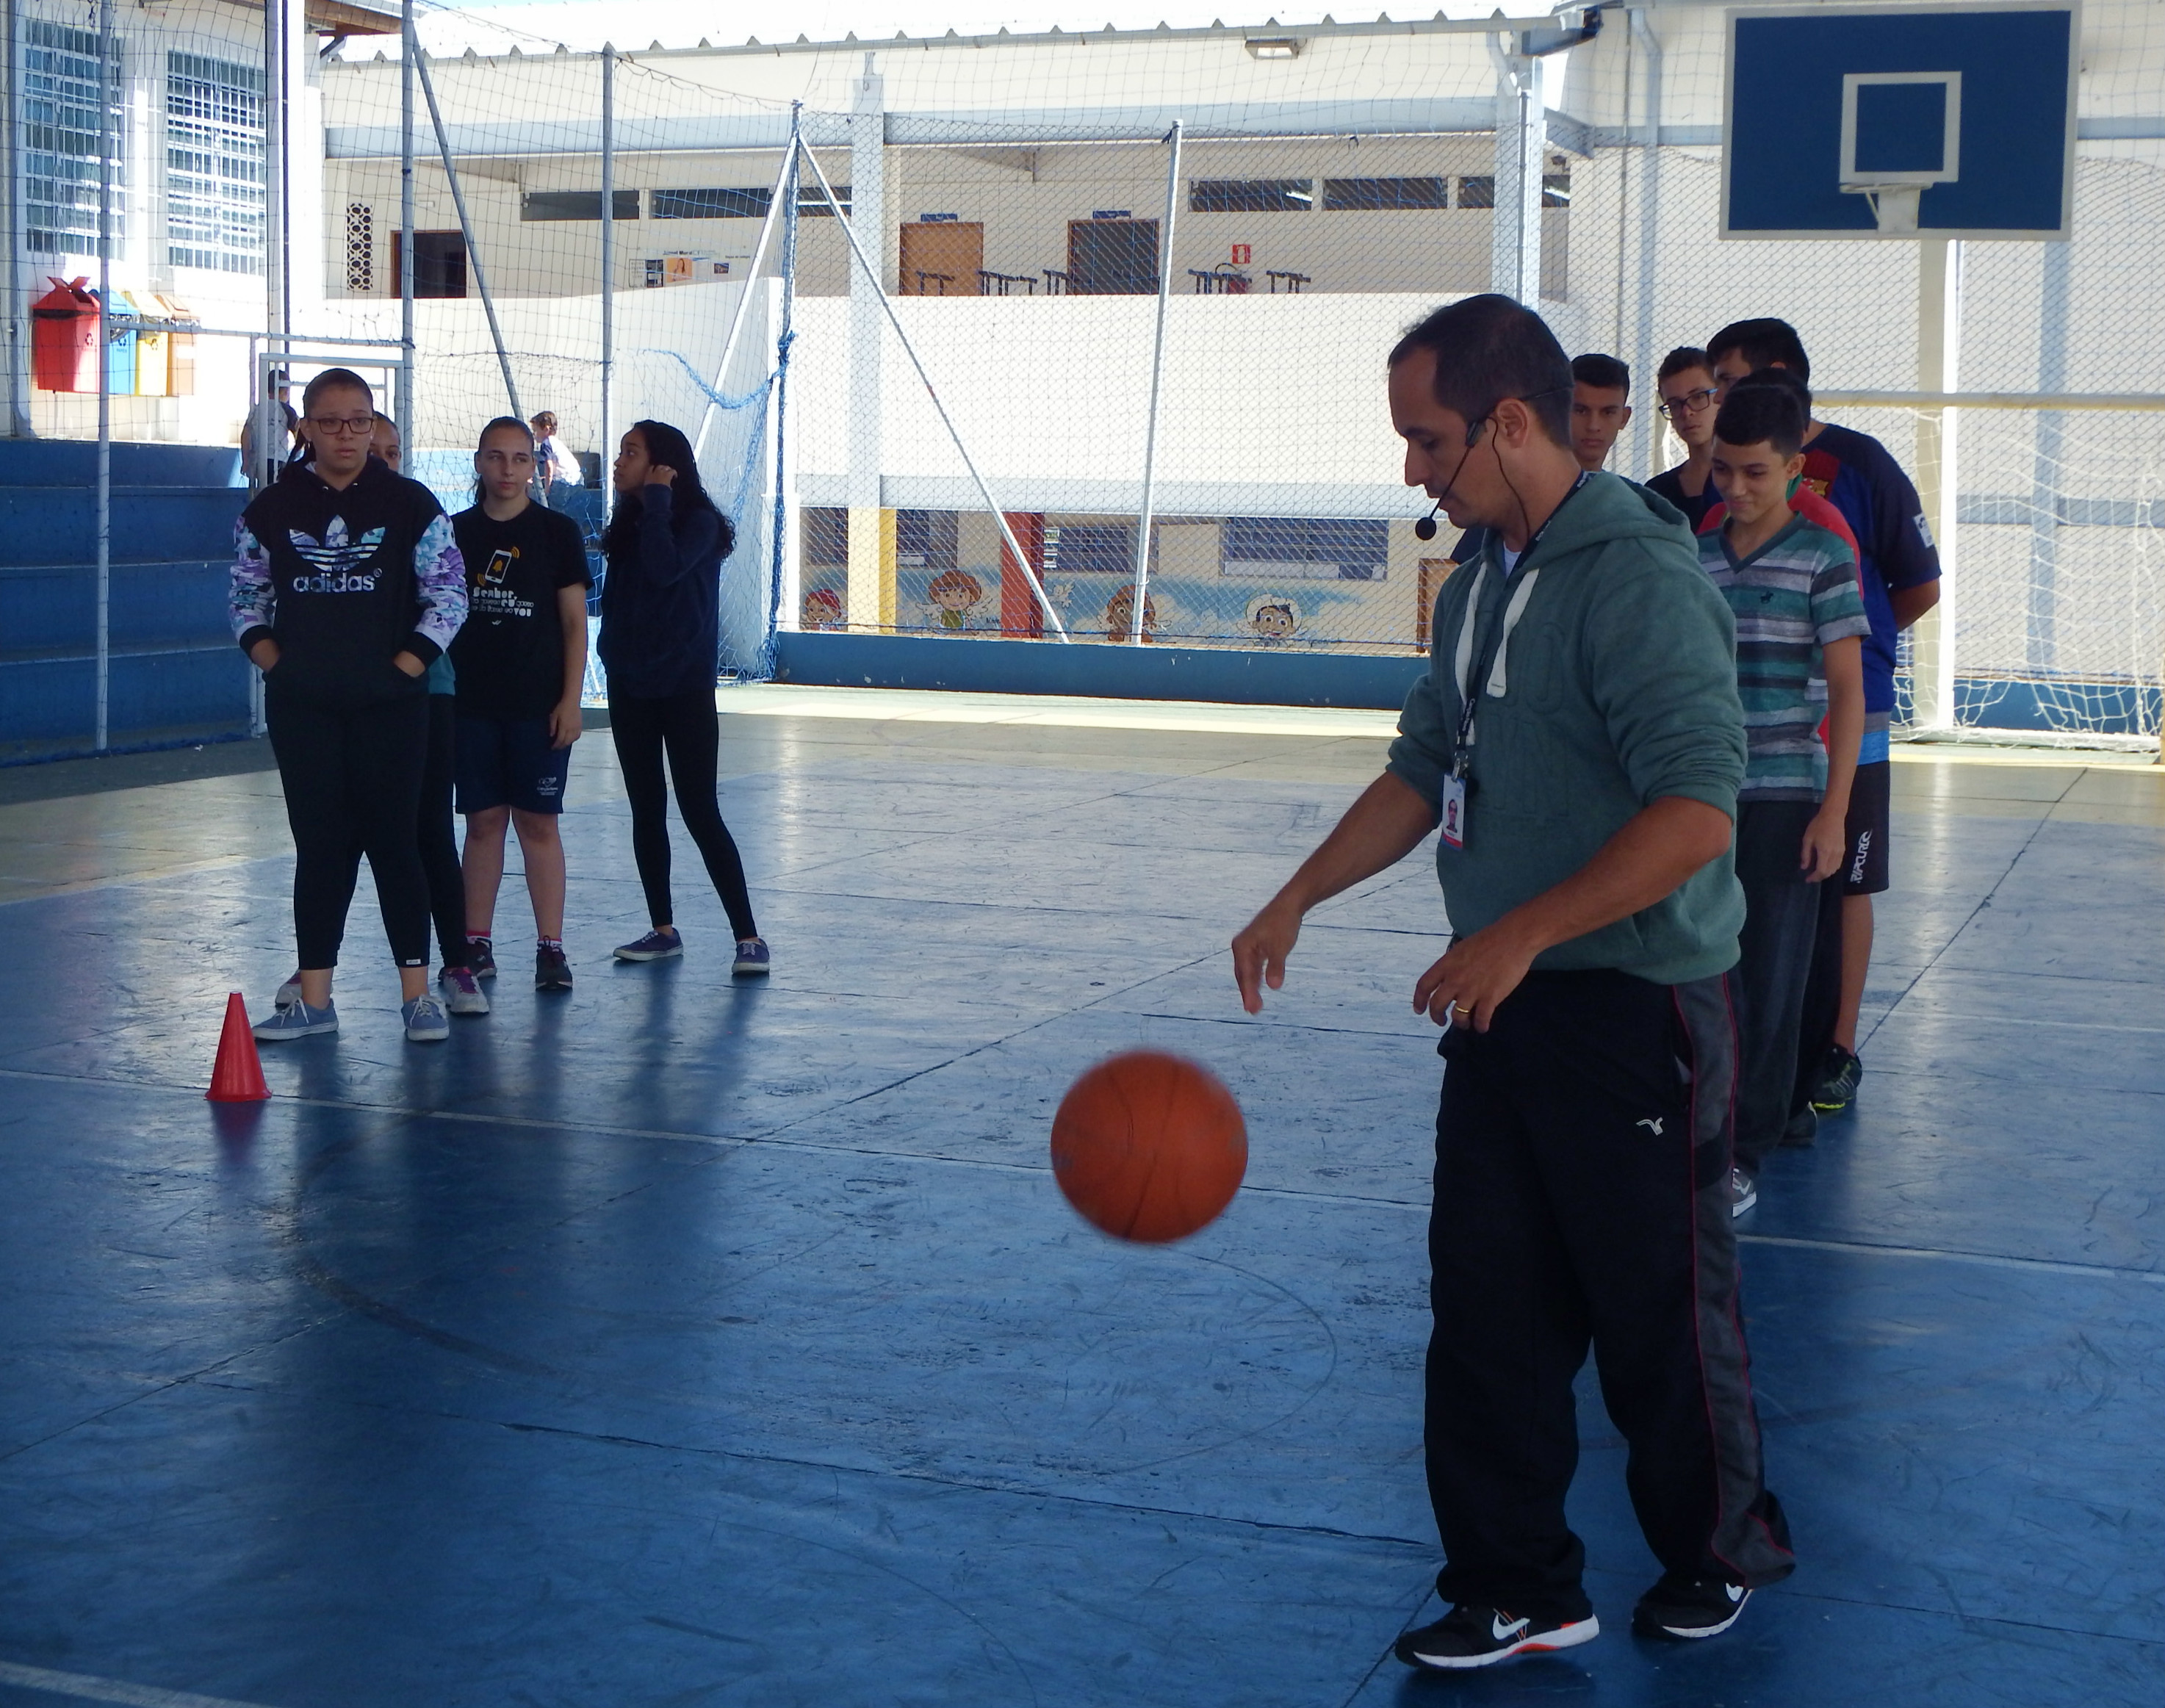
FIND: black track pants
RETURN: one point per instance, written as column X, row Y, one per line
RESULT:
column 1781, row 920
column 439, row 832
column 352, row 778
column 1582, row 1171
column 685, row 725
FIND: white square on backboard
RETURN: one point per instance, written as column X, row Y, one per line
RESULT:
column 1951, row 148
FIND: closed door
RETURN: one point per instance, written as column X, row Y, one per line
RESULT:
column 1112, row 257
column 942, row 258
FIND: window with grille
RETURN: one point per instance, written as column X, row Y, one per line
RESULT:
column 1385, row 194
column 214, row 164
column 577, row 205
column 1251, row 195
column 740, row 202
column 1477, row 192
column 1305, row 549
column 359, row 248
column 61, row 149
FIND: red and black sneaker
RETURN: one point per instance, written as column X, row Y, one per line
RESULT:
column 1480, row 1636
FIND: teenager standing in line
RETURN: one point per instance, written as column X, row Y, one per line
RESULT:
column 520, row 659
column 347, row 586
column 437, row 836
column 1899, row 572
column 1686, row 388
column 660, row 644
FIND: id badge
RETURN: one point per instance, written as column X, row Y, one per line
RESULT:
column 1454, row 812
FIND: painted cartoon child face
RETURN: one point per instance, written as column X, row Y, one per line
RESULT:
column 823, row 610
column 953, row 598
column 1274, row 622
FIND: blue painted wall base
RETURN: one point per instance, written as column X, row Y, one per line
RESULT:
column 1093, row 668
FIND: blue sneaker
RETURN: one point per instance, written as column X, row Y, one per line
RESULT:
column 753, row 956
column 426, row 1022
column 296, row 1019
column 654, row 946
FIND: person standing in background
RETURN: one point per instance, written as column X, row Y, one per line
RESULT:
column 558, row 468
column 660, row 644
column 1687, row 390
column 521, row 659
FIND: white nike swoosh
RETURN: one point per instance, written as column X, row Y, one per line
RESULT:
column 1503, row 1632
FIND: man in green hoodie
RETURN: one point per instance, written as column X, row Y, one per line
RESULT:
column 1578, row 742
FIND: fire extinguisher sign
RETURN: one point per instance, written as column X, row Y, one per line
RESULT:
column 1242, row 253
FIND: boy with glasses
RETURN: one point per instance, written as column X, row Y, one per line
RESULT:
column 1898, row 570
column 1686, row 389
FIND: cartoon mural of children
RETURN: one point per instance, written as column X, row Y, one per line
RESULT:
column 1273, row 619
column 1120, row 615
column 823, row 610
column 954, row 594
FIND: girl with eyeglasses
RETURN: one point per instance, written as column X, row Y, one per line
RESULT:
column 347, row 586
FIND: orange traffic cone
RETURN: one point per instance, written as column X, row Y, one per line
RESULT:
column 238, row 1077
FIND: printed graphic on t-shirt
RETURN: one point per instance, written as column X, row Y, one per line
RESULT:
column 493, row 596
column 335, row 558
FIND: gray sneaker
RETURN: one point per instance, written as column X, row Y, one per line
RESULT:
column 462, row 991
column 426, row 1022
column 1743, row 1192
column 296, row 1019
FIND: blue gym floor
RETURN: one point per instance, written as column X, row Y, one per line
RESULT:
column 688, row 1343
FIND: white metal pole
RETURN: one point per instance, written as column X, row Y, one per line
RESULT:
column 1137, row 627
column 409, row 45
column 18, row 375
column 608, row 270
column 782, row 182
column 1948, row 522
column 466, row 230
column 984, row 492
column 105, row 69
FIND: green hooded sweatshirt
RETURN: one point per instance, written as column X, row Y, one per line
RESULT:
column 1618, row 688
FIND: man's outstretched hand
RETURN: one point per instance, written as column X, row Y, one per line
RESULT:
column 1260, row 951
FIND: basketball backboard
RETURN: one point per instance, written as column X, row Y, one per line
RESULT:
column 1901, row 121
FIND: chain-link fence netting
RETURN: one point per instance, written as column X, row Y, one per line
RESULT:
column 1082, row 336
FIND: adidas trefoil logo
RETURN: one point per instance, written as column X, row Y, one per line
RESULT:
column 335, row 558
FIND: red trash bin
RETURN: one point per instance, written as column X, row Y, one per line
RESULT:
column 64, row 337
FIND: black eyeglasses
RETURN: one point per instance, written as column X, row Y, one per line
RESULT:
column 1690, row 403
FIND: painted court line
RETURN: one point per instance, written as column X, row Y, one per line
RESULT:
column 85, row 1688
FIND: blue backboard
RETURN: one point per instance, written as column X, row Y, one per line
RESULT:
column 1901, row 122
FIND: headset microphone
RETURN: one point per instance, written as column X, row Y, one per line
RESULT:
column 1426, row 528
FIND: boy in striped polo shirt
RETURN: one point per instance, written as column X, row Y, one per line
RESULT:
column 1792, row 585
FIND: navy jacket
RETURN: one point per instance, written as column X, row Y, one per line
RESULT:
column 659, row 635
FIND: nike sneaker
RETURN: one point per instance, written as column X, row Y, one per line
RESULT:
column 1470, row 1637
column 1689, row 1607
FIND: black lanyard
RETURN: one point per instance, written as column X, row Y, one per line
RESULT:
column 1484, row 657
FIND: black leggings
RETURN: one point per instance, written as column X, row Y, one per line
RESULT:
column 352, row 777
column 686, row 724
column 439, row 836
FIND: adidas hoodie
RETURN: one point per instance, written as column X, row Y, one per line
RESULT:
column 346, row 581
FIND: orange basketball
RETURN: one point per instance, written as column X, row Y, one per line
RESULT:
column 1149, row 1146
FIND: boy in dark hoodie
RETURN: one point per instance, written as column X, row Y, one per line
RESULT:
column 347, row 586
column 1582, row 1142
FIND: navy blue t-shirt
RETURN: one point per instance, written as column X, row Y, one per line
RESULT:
column 1695, row 509
column 1854, row 473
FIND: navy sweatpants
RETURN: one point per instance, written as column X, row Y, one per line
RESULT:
column 1583, row 1158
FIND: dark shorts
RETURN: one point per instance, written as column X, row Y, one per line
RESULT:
column 508, row 762
column 1865, row 874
